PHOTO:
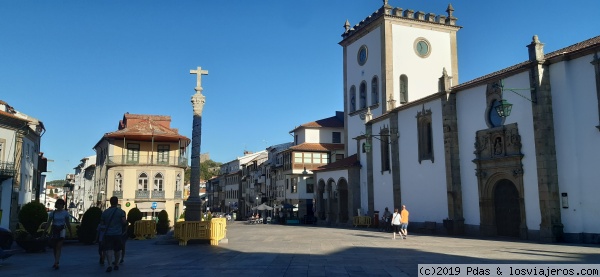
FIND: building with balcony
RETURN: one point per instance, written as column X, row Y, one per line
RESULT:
column 316, row 144
column 142, row 163
column 21, row 162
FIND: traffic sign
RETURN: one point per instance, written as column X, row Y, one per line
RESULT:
column 154, row 205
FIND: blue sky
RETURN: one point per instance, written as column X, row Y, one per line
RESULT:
column 80, row 65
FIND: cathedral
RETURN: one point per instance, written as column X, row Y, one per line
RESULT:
column 510, row 154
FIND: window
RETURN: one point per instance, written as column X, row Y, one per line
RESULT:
column 310, row 185
column 374, row 91
column 118, row 182
column 133, row 153
column 143, row 182
column 352, row 99
column 178, row 183
column 336, row 137
column 385, row 150
column 307, row 158
column 158, row 182
column 298, row 158
column 425, row 135
column 363, row 95
column 403, row 89
column 163, row 154
column 294, row 185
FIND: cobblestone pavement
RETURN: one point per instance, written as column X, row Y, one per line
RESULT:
column 278, row 250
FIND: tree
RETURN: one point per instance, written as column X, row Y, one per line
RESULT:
column 208, row 169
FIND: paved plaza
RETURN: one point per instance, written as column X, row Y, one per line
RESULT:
column 279, row 250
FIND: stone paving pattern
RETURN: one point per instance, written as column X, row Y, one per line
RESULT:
column 279, row 250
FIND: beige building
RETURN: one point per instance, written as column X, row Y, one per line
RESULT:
column 142, row 163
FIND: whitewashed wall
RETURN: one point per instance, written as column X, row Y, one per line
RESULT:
column 575, row 106
column 422, row 73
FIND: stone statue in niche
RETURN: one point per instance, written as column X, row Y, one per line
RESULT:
column 498, row 146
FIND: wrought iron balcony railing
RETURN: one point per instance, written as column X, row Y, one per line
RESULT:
column 142, row 194
column 7, row 170
column 118, row 194
column 158, row 194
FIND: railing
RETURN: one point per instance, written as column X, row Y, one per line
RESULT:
column 215, row 230
column 178, row 194
column 158, row 194
column 118, row 194
column 144, row 229
column 361, row 221
column 145, row 194
column 7, row 170
column 146, row 160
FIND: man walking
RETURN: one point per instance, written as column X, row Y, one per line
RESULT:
column 114, row 220
column 404, row 222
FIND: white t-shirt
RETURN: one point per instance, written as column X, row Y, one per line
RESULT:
column 396, row 218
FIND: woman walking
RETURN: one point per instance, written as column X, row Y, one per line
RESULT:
column 396, row 222
column 59, row 218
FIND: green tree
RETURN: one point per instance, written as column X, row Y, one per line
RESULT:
column 208, row 169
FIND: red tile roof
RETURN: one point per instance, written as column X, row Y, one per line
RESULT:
column 146, row 127
column 317, row 147
column 331, row 122
column 351, row 161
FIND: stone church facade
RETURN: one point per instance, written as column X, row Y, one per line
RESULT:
column 460, row 154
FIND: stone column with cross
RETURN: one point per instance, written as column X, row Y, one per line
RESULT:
column 193, row 205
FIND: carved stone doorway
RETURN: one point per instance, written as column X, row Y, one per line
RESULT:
column 507, row 209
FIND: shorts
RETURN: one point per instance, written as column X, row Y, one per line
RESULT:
column 403, row 226
column 396, row 228
column 112, row 242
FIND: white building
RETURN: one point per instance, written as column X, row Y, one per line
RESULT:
column 418, row 137
column 21, row 162
column 83, row 190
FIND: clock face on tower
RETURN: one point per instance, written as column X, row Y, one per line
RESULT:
column 422, row 47
column 362, row 55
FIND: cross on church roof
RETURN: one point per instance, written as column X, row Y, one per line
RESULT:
column 199, row 72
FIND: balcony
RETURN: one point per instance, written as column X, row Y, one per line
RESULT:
column 178, row 194
column 118, row 194
column 118, row 160
column 7, row 170
column 156, row 194
column 142, row 194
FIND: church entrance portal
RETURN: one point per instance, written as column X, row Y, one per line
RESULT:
column 507, row 208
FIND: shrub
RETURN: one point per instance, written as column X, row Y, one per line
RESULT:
column 162, row 227
column 31, row 216
column 89, row 225
column 132, row 216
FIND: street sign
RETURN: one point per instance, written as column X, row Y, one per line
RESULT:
column 154, row 205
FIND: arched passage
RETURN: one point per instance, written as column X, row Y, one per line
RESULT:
column 342, row 193
column 320, row 200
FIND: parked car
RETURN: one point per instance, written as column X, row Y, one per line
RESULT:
column 6, row 238
column 74, row 222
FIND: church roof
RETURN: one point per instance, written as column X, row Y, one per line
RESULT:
column 351, row 161
column 562, row 53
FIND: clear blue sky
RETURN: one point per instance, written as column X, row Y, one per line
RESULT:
column 80, row 65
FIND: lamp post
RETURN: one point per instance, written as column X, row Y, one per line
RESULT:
column 67, row 187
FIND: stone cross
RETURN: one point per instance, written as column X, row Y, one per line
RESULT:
column 199, row 72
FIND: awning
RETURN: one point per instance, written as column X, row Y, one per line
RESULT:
column 146, row 207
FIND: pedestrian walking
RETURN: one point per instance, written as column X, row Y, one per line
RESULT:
column 114, row 219
column 101, row 232
column 396, row 218
column 404, row 222
column 59, row 219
